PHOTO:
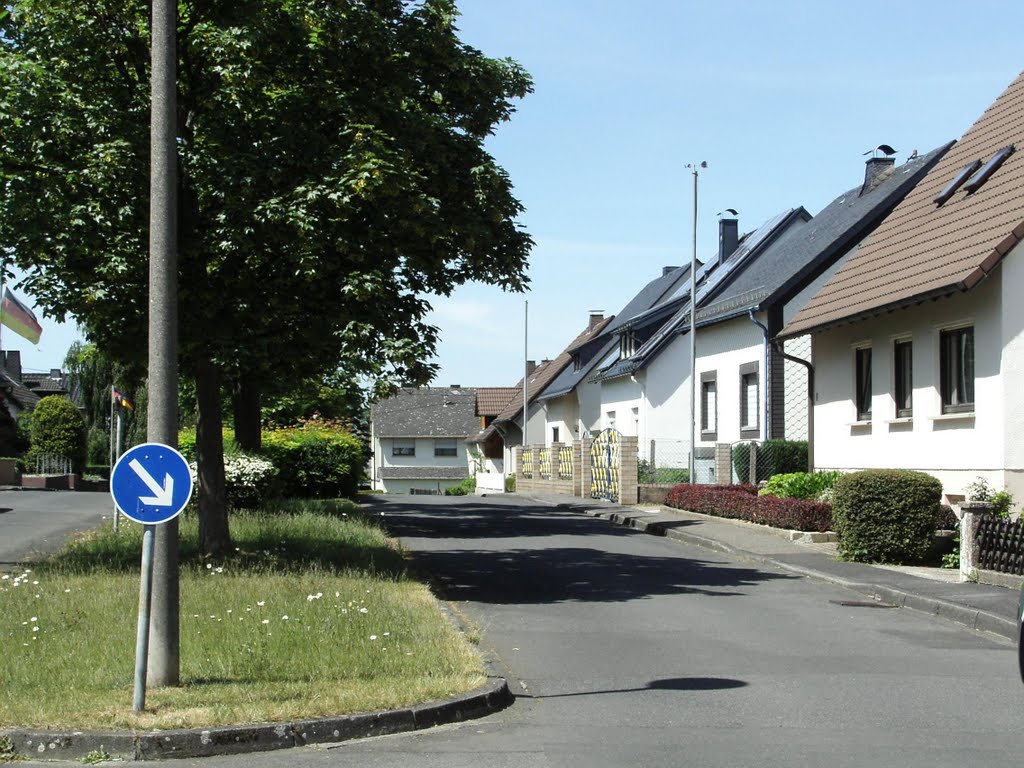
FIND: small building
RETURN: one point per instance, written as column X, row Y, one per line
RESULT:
column 419, row 439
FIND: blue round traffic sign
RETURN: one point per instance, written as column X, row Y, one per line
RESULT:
column 151, row 483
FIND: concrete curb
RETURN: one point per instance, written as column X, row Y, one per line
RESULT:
column 491, row 697
column 973, row 618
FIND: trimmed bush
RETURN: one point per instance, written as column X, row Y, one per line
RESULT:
column 774, row 457
column 886, row 515
column 742, row 502
column 316, row 460
column 800, row 485
column 58, row 427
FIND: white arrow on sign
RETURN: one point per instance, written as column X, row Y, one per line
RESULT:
column 161, row 496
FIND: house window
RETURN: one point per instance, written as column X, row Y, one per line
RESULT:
column 862, row 382
column 903, row 365
column 709, row 405
column 445, row 447
column 403, row 447
column 554, row 434
column 609, row 420
column 956, row 369
column 749, row 401
column 577, row 363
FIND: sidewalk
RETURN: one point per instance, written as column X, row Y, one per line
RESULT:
column 938, row 591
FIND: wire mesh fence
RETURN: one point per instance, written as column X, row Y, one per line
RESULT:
column 796, row 399
column 754, row 462
column 52, row 464
column 664, row 461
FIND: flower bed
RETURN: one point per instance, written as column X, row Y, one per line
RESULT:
column 741, row 502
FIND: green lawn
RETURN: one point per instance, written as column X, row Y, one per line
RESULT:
column 313, row 615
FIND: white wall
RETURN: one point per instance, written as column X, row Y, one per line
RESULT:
column 561, row 412
column 952, row 448
column 424, row 458
column 668, row 393
column 723, row 348
column 620, row 396
column 1012, row 320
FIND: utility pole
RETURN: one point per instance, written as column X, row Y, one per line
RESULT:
column 693, row 327
column 162, row 417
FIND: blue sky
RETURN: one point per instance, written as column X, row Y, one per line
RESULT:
column 781, row 99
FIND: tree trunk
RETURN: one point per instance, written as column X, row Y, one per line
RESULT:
column 214, row 536
column 246, row 402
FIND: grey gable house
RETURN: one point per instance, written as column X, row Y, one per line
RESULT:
column 746, row 388
column 419, row 439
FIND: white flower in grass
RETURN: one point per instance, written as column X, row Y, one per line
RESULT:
column 34, row 618
column 363, row 610
column 266, row 621
column 209, row 566
column 261, row 603
column 373, row 637
column 35, row 629
column 285, row 617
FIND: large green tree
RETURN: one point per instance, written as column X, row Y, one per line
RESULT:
column 332, row 175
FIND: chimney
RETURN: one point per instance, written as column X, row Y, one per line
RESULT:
column 12, row 362
column 666, row 270
column 531, row 366
column 876, row 171
column 596, row 318
column 728, row 237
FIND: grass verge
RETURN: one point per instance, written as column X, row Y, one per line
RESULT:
column 313, row 615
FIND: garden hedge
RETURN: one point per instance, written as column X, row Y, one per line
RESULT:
column 742, row 502
column 886, row 515
column 774, row 457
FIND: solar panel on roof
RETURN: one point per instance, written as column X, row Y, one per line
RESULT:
column 990, row 167
column 954, row 185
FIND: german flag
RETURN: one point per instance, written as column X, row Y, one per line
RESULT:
column 122, row 400
column 19, row 318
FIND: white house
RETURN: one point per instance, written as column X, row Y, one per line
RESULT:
column 419, row 439
column 918, row 339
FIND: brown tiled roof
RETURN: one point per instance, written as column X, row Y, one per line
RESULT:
column 490, row 401
column 924, row 250
column 547, row 372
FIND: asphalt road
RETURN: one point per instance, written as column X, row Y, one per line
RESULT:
column 35, row 523
column 629, row 650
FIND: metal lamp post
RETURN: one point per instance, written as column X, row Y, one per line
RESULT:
column 695, row 169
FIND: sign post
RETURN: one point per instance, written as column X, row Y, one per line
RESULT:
column 151, row 484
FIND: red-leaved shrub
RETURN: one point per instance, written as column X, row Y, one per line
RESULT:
column 741, row 502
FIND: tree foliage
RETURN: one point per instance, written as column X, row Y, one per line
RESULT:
column 332, row 175
column 58, row 427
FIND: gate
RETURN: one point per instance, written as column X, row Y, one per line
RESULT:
column 605, row 466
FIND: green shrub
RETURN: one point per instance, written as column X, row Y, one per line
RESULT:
column 58, row 427
column 801, row 485
column 650, row 474
column 774, row 457
column 510, row 484
column 886, row 515
column 464, row 488
column 1001, row 501
column 316, row 460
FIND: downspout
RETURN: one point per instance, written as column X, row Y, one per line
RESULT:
column 766, row 410
column 810, row 390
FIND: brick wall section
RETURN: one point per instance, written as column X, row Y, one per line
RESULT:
column 586, row 471
column 538, row 484
column 723, row 463
column 629, row 475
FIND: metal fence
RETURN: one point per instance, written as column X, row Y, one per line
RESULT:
column 755, row 461
column 53, row 464
column 664, row 461
column 1001, row 545
column 795, row 397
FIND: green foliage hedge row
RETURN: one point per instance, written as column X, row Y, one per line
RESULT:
column 316, row 459
column 774, row 457
column 886, row 515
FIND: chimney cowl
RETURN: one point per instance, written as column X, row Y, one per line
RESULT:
column 666, row 270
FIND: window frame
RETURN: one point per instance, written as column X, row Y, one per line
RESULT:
column 862, row 397
column 708, row 426
column 963, row 382
column 903, row 376
column 446, row 452
column 748, row 429
column 407, row 448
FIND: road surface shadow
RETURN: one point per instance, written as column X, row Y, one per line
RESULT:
column 665, row 684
